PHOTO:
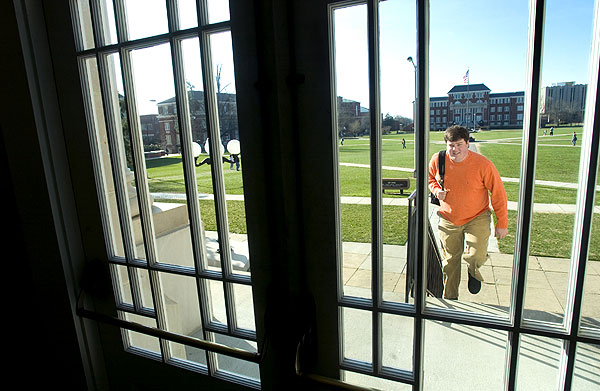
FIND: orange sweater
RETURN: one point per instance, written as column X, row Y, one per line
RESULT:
column 470, row 184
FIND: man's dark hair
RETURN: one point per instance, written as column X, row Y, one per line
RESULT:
column 455, row 133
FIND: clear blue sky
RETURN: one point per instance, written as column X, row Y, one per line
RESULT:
column 488, row 38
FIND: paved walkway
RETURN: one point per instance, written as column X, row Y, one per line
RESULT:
column 547, row 278
column 397, row 201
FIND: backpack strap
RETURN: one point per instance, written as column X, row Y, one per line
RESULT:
column 442, row 166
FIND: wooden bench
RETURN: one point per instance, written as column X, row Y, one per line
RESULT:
column 395, row 184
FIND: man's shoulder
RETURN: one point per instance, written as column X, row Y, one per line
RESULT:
column 478, row 158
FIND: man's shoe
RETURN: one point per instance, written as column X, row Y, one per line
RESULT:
column 474, row 284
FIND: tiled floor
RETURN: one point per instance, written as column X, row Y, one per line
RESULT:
column 547, row 279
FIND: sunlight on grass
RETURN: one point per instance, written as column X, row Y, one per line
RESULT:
column 557, row 160
column 551, row 235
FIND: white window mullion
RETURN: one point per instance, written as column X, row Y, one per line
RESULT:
column 117, row 152
column 137, row 150
column 526, row 188
column 191, row 188
column 588, row 168
column 421, row 160
column 215, row 148
column 112, row 114
column 121, row 20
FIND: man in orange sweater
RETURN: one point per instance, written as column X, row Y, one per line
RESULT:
column 470, row 180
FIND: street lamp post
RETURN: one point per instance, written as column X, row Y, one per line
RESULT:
column 410, row 59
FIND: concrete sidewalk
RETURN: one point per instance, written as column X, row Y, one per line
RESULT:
column 395, row 201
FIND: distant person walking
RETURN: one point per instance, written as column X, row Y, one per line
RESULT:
column 403, row 143
column 552, row 131
column 235, row 159
column 544, row 132
column 574, row 139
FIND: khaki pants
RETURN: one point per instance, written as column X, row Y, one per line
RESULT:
column 476, row 234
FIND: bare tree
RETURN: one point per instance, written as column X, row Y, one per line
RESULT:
column 218, row 79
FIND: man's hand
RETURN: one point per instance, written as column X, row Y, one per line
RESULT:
column 442, row 195
column 501, row 232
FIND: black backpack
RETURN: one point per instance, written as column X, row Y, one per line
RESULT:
column 441, row 170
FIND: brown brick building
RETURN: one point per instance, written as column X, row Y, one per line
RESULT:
column 474, row 106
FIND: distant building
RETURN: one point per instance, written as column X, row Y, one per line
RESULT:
column 353, row 119
column 167, row 118
column 563, row 102
column 474, row 106
column 150, row 129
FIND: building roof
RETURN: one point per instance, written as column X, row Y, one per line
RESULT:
column 507, row 94
column 469, row 87
column 438, row 98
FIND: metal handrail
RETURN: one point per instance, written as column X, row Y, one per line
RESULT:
column 168, row 335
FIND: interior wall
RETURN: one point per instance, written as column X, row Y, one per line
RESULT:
column 37, row 313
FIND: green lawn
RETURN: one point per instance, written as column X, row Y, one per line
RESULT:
column 356, row 224
column 166, row 175
column 557, row 160
column 551, row 235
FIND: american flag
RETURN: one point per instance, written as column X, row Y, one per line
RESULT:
column 466, row 77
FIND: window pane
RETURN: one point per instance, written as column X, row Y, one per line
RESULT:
column 373, row 382
column 539, row 360
column 109, row 28
column 397, row 341
column 218, row 11
column 353, row 128
column 357, row 334
column 121, row 279
column 121, row 151
column 153, row 22
column 139, row 340
column 475, row 355
column 189, row 354
column 142, row 278
column 180, row 301
column 223, row 70
column 562, row 100
column 153, row 78
column 397, row 43
column 469, row 78
column 188, row 16
column 83, row 18
column 216, row 296
column 590, row 306
column 104, row 167
column 244, row 306
column 233, row 365
column 587, row 367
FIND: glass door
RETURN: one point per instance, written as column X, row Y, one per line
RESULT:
column 159, row 133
